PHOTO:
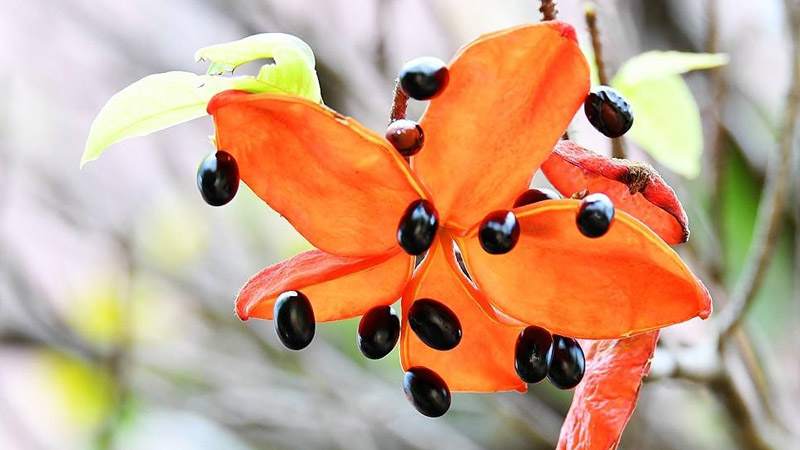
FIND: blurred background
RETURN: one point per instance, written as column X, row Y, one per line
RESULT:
column 117, row 281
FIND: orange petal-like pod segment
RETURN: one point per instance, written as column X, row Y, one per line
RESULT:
column 337, row 287
column 623, row 283
column 342, row 186
column 510, row 97
column 634, row 187
column 605, row 399
column 484, row 359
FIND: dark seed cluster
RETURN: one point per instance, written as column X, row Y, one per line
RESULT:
column 608, row 111
column 499, row 232
column 406, row 136
column 532, row 196
column 435, row 324
column 417, row 227
column 595, row 215
column 378, row 332
column 424, row 78
column 218, row 178
column 294, row 320
column 539, row 354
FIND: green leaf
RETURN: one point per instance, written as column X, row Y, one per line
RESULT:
column 657, row 64
column 157, row 102
column 667, row 122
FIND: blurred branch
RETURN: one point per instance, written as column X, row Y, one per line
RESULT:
column 617, row 148
column 718, row 157
column 770, row 211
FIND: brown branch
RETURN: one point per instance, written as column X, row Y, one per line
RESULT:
column 399, row 104
column 617, row 148
column 548, row 10
column 770, row 211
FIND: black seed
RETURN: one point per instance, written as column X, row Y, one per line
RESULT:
column 218, row 178
column 567, row 364
column 533, row 353
column 532, row 196
column 595, row 215
column 417, row 227
column 435, row 324
column 406, row 136
column 499, row 232
column 424, row 78
column 294, row 320
column 378, row 332
column 426, row 391
column 608, row 111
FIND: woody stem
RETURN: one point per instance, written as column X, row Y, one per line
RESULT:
column 617, row 148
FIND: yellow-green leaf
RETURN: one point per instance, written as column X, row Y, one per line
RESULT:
column 157, row 102
column 667, row 122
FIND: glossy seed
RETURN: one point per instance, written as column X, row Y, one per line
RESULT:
column 417, row 227
column 406, row 136
column 532, row 196
column 595, row 215
column 533, row 353
column 218, row 178
column 435, row 324
column 608, row 111
column 424, row 78
column 567, row 364
column 499, row 232
column 426, row 391
column 294, row 320
column 378, row 332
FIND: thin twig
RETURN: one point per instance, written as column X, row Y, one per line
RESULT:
column 770, row 211
column 617, row 148
column 548, row 10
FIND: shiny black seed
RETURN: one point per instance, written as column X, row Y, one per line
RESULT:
column 532, row 196
column 499, row 232
column 426, row 391
column 435, row 324
column 417, row 227
column 406, row 136
column 595, row 215
column 533, row 353
column 294, row 320
column 608, row 111
column 567, row 364
column 218, row 178
column 378, row 332
column 424, row 78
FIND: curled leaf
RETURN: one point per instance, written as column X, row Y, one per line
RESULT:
column 293, row 71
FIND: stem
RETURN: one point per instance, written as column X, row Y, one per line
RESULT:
column 617, row 148
column 399, row 104
column 770, row 211
column 719, row 156
column 548, row 10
